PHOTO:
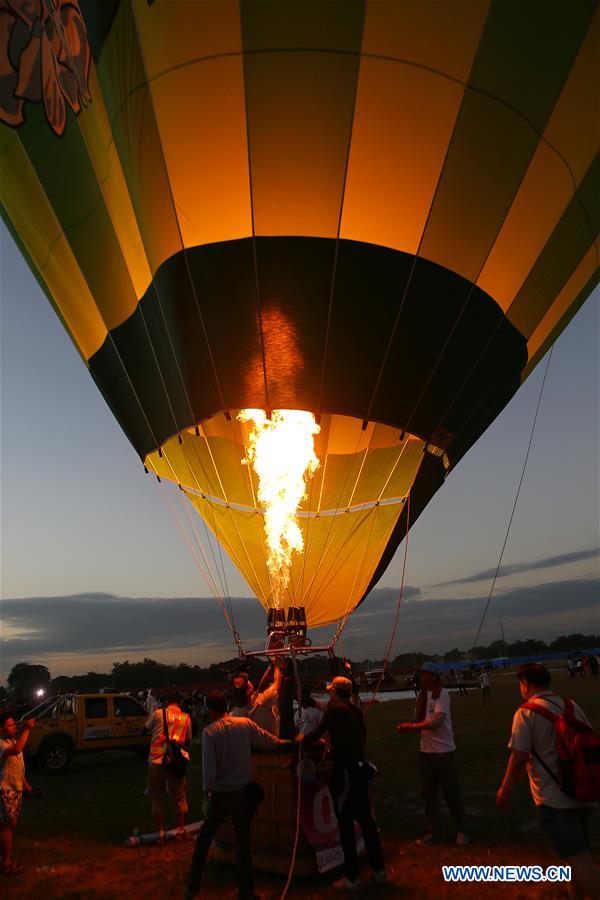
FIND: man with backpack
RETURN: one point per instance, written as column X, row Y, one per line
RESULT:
column 169, row 724
column 549, row 738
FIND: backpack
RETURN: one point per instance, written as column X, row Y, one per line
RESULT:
column 174, row 760
column 578, row 747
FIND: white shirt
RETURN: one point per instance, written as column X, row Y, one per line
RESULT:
column 484, row 680
column 226, row 752
column 532, row 732
column 440, row 739
column 262, row 709
column 307, row 719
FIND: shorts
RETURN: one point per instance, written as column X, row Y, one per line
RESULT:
column 568, row 829
column 159, row 782
column 10, row 807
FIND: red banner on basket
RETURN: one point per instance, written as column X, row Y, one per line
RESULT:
column 319, row 823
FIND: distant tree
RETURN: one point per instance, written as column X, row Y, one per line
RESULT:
column 25, row 679
column 569, row 642
column 455, row 655
column 90, row 683
column 528, row 647
column 408, row 660
column 62, row 684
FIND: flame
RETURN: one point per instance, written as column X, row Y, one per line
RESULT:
column 282, row 453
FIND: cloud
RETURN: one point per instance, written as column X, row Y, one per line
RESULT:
column 547, row 562
column 91, row 631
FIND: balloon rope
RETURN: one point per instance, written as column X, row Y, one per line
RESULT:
column 535, row 418
column 207, row 575
column 215, row 525
column 221, row 573
column 397, row 616
column 298, row 783
column 222, row 599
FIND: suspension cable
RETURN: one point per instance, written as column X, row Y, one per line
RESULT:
column 397, row 616
column 537, row 409
column 225, row 599
column 206, row 574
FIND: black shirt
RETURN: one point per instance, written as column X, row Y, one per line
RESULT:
column 347, row 731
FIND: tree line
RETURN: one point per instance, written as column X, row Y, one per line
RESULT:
column 26, row 680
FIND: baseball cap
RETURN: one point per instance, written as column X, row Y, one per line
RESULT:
column 341, row 684
column 429, row 667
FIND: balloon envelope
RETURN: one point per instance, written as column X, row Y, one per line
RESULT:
column 381, row 212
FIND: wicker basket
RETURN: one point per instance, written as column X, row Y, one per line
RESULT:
column 274, row 825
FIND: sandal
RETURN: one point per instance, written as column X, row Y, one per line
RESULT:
column 12, row 868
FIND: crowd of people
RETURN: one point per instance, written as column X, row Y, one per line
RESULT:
column 582, row 666
column 247, row 718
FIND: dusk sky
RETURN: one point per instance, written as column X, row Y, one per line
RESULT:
column 95, row 571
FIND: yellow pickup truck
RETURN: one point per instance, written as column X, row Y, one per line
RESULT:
column 84, row 723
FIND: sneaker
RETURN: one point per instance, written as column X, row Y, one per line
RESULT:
column 427, row 840
column 463, row 838
column 380, row 877
column 345, row 884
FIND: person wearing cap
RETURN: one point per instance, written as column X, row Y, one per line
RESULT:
column 344, row 723
column 433, row 720
column 228, row 787
column 260, row 705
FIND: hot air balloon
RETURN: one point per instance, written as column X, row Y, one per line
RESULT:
column 365, row 219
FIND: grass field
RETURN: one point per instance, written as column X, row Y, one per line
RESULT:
column 71, row 840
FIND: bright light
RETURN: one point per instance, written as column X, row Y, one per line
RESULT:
column 40, row 692
column 282, row 453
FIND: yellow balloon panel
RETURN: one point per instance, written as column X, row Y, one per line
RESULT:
column 330, row 576
column 351, row 505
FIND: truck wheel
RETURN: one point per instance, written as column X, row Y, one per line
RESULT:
column 54, row 755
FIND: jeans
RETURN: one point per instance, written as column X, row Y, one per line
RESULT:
column 241, row 806
column 439, row 771
column 351, row 802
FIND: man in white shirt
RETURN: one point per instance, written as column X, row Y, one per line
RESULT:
column 228, row 787
column 533, row 749
column 433, row 720
column 486, row 686
column 309, row 715
column 260, row 705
